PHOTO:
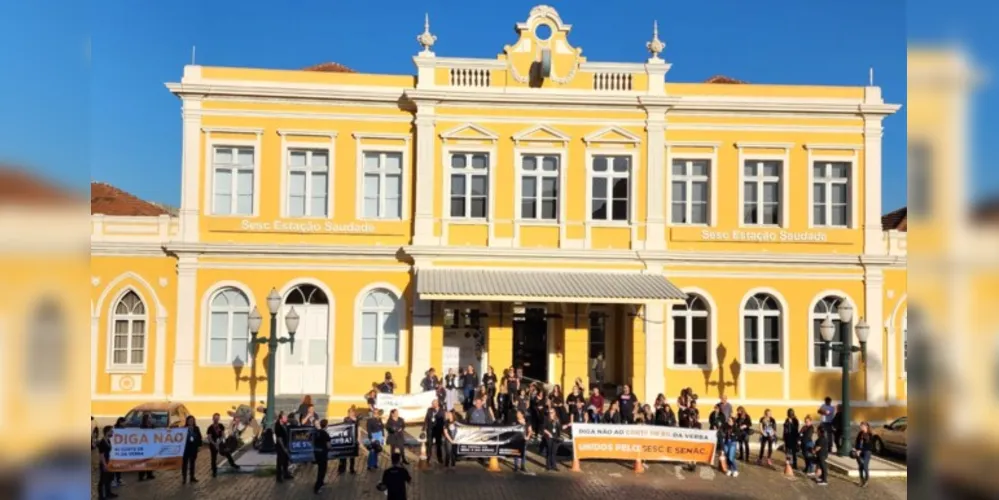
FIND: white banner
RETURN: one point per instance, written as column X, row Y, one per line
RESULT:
column 412, row 407
column 147, row 449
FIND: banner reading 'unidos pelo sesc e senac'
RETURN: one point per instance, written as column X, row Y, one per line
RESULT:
column 642, row 442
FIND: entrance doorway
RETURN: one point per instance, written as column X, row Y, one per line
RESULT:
column 463, row 338
column 305, row 371
column 530, row 343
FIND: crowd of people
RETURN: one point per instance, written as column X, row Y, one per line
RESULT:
column 543, row 413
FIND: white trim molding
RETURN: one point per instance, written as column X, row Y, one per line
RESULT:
column 330, row 325
column 785, row 340
column 287, row 146
column 447, row 150
column 484, row 134
column 555, row 135
column 785, row 180
column 712, row 318
column 634, row 175
column 560, row 219
column 209, row 161
column 874, row 365
column 205, row 322
column 852, row 189
column 713, row 169
column 406, row 174
column 599, row 137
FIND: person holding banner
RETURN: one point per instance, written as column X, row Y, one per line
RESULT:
column 376, row 437
column 146, row 423
column 396, row 427
column 217, row 446
column 351, row 418
column 104, row 451
column 191, row 447
column 120, row 424
column 430, row 381
column 321, row 451
column 309, row 418
column 791, row 438
column 613, row 415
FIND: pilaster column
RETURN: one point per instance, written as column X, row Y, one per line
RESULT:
column 636, row 372
column 655, row 228
column 655, row 350
column 875, row 317
column 422, row 325
column 426, row 180
column 499, row 336
column 187, row 326
column 576, row 360
column 191, row 174
column 874, row 235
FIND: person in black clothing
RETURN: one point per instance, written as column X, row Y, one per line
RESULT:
column 376, row 438
column 120, row 424
column 744, row 424
column 394, row 480
column 613, row 415
column 808, row 445
column 388, row 385
column 538, row 412
column 216, row 445
column 489, row 381
column 433, row 426
column 396, row 428
column 104, row 450
column 578, row 413
column 822, row 446
column 146, row 423
column 791, row 438
column 768, row 435
column 281, row 436
column 862, row 448
column 520, row 462
column 351, row 418
column 450, row 390
column 191, row 447
column 665, row 416
column 513, row 389
column 450, row 432
column 321, row 451
column 626, row 402
column 837, row 428
column 469, row 382
column 430, row 381
column 552, row 430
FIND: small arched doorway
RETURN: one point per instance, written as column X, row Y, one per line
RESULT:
column 306, row 370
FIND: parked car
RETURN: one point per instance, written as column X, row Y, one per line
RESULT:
column 163, row 414
column 891, row 437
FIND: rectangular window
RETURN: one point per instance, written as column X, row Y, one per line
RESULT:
column 539, row 189
column 469, row 185
column 752, row 340
column 761, row 195
column 610, row 192
column 382, row 185
column 690, row 188
column 831, row 194
column 232, row 180
column 308, row 182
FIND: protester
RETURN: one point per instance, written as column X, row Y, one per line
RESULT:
column 578, row 412
column 538, row 409
column 693, row 415
column 376, row 438
column 303, row 407
column 217, row 445
column 120, row 424
column 469, row 382
column 768, row 435
column 513, row 389
column 388, row 385
column 552, row 434
column 744, row 425
column 725, row 407
column 664, row 415
column 520, row 462
column 729, row 433
column 433, row 427
column 450, row 432
column 576, row 395
column 522, row 404
column 862, row 448
column 104, row 451
column 808, row 445
column 836, row 425
column 430, row 381
column 557, row 400
column 371, row 397
column 451, row 389
column 351, row 418
column 489, row 382
column 145, row 423
column 626, row 403
column 826, row 414
column 396, row 427
column 613, row 415
column 191, row 448
column 281, row 447
column 321, row 452
column 479, row 414
column 309, row 417
column 596, row 406
column 792, row 437
column 822, row 446
column 395, row 479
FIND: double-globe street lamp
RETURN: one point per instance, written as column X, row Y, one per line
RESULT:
column 845, row 351
column 291, row 324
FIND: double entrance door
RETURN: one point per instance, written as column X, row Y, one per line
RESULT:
column 530, row 343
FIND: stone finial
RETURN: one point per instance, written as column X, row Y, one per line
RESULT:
column 426, row 39
column 655, row 46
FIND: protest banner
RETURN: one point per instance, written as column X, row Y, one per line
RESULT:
column 484, row 441
column 412, row 407
column 642, row 442
column 147, row 449
column 343, row 442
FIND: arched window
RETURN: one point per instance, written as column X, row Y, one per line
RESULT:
column 306, row 294
column 690, row 332
column 228, row 328
column 47, row 349
column 128, row 346
column 379, row 327
column 828, row 307
column 761, row 319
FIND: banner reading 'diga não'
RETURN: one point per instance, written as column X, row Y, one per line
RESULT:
column 412, row 407
column 343, row 442
column 147, row 449
column 484, row 441
column 643, row 442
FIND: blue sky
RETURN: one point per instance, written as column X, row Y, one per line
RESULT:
column 114, row 121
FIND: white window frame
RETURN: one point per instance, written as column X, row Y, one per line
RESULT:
column 113, row 317
column 467, row 172
column 253, row 140
column 206, row 322
column 785, row 179
column 852, row 182
column 402, row 148
column 813, row 364
column 630, row 176
column 758, row 315
column 688, row 180
column 287, row 146
column 559, row 176
column 382, row 176
column 400, row 309
column 671, row 332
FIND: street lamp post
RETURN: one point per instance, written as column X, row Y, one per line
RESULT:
column 845, row 350
column 291, row 323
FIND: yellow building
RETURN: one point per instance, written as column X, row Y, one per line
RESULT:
column 581, row 219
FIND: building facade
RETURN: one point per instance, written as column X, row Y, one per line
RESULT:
column 580, row 219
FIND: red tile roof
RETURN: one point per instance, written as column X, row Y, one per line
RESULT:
column 330, row 67
column 20, row 188
column 897, row 220
column 722, row 79
column 108, row 200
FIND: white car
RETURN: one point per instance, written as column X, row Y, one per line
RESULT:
column 892, row 437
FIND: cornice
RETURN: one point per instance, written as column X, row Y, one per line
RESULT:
column 237, row 249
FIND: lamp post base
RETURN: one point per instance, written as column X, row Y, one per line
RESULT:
column 267, row 444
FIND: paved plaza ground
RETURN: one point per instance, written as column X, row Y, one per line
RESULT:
column 599, row 480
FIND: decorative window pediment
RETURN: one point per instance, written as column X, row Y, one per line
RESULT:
column 541, row 133
column 612, row 135
column 469, row 132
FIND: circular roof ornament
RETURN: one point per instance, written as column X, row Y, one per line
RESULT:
column 543, row 32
